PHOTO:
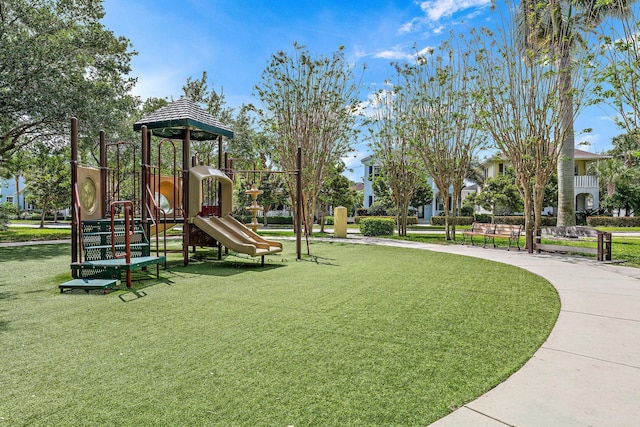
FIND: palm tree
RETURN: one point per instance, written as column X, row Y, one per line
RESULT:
column 557, row 24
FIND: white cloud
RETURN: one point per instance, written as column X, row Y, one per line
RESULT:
column 158, row 83
column 399, row 53
column 353, row 162
column 437, row 9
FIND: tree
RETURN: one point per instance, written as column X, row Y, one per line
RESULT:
column 48, row 184
column 557, row 25
column 618, row 76
column 56, row 61
column 392, row 148
column 618, row 175
column 499, row 193
column 524, row 100
column 336, row 191
column 423, row 194
column 444, row 118
column 309, row 103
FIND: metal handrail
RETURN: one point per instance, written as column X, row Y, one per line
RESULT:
column 77, row 215
column 128, row 213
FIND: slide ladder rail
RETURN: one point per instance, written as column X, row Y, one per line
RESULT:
column 158, row 216
column 128, row 229
column 77, row 225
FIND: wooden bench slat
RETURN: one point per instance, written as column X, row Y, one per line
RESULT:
column 568, row 249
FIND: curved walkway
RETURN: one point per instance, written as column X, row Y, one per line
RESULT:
column 587, row 373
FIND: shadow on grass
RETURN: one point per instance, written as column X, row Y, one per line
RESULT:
column 20, row 253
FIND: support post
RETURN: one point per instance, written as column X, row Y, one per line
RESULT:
column 74, row 201
column 144, row 197
column 186, row 143
column 299, row 203
column 103, row 175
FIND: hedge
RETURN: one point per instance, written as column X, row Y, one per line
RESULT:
column 411, row 220
column 271, row 220
column 546, row 221
column 461, row 220
column 372, row 226
column 613, row 221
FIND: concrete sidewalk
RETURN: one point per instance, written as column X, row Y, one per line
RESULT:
column 587, row 373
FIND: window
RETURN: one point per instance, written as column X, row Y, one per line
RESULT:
column 370, row 200
column 10, row 199
column 501, row 168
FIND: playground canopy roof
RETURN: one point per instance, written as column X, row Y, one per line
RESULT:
column 172, row 120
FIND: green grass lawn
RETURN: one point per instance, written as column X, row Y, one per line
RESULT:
column 356, row 335
column 27, row 234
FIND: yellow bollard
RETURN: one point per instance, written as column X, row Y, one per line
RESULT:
column 340, row 222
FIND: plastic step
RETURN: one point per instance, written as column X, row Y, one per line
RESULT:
column 88, row 284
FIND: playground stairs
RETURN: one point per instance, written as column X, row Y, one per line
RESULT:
column 104, row 255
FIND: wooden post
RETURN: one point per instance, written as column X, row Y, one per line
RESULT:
column 604, row 246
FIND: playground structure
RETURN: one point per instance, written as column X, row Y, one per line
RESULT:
column 125, row 206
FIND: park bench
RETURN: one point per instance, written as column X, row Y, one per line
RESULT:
column 506, row 231
column 478, row 229
column 573, row 234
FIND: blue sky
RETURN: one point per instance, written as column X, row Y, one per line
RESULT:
column 233, row 40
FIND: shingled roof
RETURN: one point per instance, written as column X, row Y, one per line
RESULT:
column 172, row 120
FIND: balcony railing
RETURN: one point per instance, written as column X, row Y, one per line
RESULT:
column 585, row 181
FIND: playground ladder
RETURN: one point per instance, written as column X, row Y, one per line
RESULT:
column 104, row 250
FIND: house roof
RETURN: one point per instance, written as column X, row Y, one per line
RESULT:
column 366, row 160
column 577, row 155
column 586, row 155
column 172, row 120
column 358, row 186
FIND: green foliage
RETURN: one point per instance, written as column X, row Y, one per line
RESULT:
column 371, row 226
column 466, row 209
column 312, row 103
column 6, row 210
column 610, row 221
column 423, row 194
column 378, row 208
column 411, row 220
column 479, row 217
column 499, row 194
column 336, row 191
column 48, row 184
column 461, row 220
column 514, row 220
column 271, row 220
column 57, row 61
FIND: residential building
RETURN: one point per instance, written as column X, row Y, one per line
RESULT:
column 424, row 213
column 12, row 191
column 587, row 189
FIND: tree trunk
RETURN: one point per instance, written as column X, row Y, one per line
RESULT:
column 17, row 178
column 42, row 217
column 566, row 163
